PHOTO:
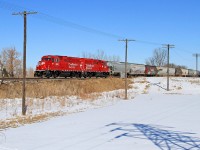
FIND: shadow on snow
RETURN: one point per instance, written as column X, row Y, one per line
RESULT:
column 161, row 136
column 157, row 84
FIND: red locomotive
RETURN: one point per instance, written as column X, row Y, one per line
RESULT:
column 64, row 66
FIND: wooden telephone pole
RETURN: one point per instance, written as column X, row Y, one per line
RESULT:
column 24, row 61
column 196, row 55
column 126, row 51
column 168, row 46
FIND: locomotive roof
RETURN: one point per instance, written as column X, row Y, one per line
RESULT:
column 71, row 57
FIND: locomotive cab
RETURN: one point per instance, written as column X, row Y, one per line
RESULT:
column 44, row 67
column 45, row 63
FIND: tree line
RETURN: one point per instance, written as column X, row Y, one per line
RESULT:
column 100, row 54
column 159, row 59
column 11, row 64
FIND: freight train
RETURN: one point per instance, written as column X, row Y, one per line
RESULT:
column 65, row 66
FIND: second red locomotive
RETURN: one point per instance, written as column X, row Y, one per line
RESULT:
column 64, row 66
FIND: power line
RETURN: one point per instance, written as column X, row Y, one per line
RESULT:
column 180, row 55
column 13, row 7
column 182, row 50
column 148, row 42
column 168, row 46
column 56, row 20
column 24, row 61
column 196, row 55
column 60, row 21
column 126, row 51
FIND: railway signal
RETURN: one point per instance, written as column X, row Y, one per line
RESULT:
column 24, row 13
column 126, row 51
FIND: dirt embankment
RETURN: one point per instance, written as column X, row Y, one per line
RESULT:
column 44, row 88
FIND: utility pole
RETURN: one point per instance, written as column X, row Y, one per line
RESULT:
column 196, row 55
column 168, row 46
column 126, row 51
column 24, row 61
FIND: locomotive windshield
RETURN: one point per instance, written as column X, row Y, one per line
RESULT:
column 46, row 59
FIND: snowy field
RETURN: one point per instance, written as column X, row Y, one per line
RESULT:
column 151, row 119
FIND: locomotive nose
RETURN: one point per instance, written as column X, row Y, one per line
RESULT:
column 41, row 65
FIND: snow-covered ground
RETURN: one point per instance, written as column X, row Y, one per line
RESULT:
column 151, row 119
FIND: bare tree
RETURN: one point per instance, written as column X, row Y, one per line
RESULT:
column 159, row 58
column 10, row 59
column 30, row 72
column 100, row 54
column 87, row 55
column 172, row 65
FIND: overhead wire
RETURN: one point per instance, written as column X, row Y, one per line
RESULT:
column 185, row 51
column 60, row 21
column 180, row 57
column 57, row 20
column 76, row 26
column 148, row 42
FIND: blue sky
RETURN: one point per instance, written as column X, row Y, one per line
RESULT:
column 51, row 30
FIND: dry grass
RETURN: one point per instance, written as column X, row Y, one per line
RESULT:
column 18, row 121
column 145, row 91
column 85, row 89
column 194, row 81
column 42, row 89
column 179, row 88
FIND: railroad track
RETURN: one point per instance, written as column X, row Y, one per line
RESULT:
column 34, row 79
column 29, row 79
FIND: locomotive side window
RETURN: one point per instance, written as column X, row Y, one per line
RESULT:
column 52, row 60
